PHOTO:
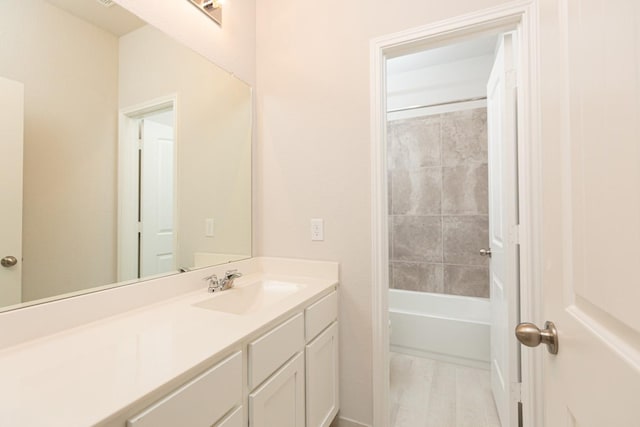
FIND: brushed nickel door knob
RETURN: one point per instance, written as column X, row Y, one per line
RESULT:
column 531, row 336
column 9, row 261
column 485, row 252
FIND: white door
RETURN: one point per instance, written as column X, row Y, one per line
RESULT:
column 11, row 135
column 157, row 199
column 591, row 211
column 501, row 131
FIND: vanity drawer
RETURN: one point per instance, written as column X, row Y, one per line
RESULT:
column 320, row 315
column 200, row 402
column 233, row 420
column 273, row 349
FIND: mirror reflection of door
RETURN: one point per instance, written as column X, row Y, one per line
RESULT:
column 147, row 190
column 11, row 137
column 156, row 194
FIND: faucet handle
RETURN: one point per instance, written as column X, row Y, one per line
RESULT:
column 212, row 278
column 232, row 274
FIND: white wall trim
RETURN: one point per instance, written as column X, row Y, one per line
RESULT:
column 523, row 16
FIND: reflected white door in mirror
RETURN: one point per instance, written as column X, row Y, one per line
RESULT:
column 147, row 167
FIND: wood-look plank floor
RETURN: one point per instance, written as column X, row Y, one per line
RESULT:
column 430, row 393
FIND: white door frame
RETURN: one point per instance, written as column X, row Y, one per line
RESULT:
column 128, row 194
column 520, row 15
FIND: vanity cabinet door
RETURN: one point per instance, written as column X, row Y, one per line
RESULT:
column 322, row 378
column 280, row 400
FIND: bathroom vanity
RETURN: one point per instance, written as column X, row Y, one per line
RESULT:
column 263, row 354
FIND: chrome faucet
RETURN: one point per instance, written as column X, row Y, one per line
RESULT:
column 223, row 284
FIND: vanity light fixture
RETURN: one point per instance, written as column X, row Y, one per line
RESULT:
column 211, row 8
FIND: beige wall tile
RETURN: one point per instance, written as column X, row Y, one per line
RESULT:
column 464, row 137
column 466, row 280
column 463, row 237
column 465, row 190
column 416, row 192
column 412, row 276
column 417, row 238
column 414, row 143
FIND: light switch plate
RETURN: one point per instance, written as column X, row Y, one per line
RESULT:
column 317, row 229
column 208, row 227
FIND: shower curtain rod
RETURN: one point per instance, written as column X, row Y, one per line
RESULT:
column 417, row 107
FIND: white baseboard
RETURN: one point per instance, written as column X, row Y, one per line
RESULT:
column 346, row 422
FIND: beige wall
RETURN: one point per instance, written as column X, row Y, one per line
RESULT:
column 231, row 46
column 213, row 125
column 314, row 147
column 70, row 75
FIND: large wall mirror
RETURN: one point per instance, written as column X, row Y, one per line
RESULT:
column 125, row 155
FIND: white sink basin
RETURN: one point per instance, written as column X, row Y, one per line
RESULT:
column 248, row 298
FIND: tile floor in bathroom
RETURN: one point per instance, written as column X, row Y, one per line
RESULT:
column 430, row 393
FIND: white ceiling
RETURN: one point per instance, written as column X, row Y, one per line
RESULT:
column 477, row 46
column 113, row 19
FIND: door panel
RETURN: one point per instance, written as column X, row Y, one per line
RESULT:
column 157, row 252
column 11, row 136
column 592, row 214
column 501, row 127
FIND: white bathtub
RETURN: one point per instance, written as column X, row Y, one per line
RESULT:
column 445, row 327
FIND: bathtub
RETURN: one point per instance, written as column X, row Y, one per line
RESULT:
column 444, row 327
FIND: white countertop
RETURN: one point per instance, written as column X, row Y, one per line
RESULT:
column 83, row 375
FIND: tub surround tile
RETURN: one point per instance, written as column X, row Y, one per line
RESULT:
column 437, row 198
column 465, row 190
column 413, row 276
column 464, row 137
column 417, row 238
column 416, row 192
column 468, row 280
column 414, row 143
column 463, row 237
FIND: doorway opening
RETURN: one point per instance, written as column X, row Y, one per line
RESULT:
column 450, row 169
column 445, row 136
column 147, row 190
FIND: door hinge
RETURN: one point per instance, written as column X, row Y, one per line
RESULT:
column 139, row 226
